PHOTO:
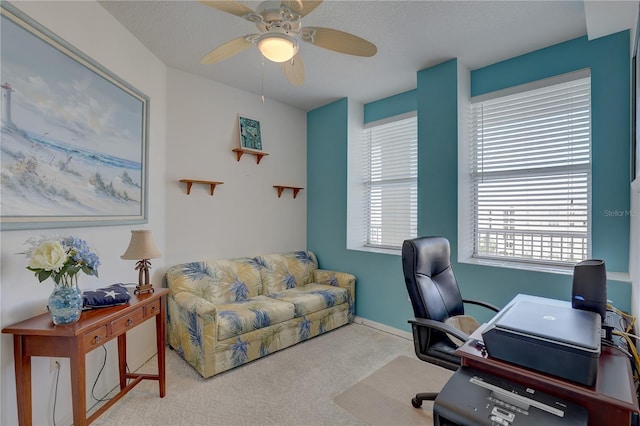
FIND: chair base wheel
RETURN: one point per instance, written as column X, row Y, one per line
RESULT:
column 416, row 401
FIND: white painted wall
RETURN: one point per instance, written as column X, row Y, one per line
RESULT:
column 356, row 206
column 92, row 30
column 193, row 128
column 244, row 217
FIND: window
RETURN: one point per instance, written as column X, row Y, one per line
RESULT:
column 390, row 182
column 531, row 173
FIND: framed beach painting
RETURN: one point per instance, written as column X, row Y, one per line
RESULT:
column 74, row 136
column 250, row 136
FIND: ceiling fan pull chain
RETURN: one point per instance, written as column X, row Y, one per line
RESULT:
column 262, row 81
column 297, row 49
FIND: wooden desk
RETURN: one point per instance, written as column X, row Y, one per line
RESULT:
column 609, row 402
column 38, row 336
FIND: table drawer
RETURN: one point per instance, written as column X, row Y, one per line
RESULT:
column 95, row 338
column 152, row 309
column 134, row 318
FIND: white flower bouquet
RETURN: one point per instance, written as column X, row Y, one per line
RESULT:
column 61, row 259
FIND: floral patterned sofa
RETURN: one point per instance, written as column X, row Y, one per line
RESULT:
column 225, row 313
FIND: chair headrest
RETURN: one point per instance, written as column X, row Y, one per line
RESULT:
column 432, row 255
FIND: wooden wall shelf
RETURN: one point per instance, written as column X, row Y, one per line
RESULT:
column 258, row 154
column 281, row 188
column 190, row 182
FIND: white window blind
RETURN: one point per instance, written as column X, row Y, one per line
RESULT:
column 391, row 183
column 531, row 174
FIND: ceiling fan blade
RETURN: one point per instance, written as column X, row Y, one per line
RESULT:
column 226, row 50
column 338, row 41
column 301, row 6
column 232, row 7
column 294, row 70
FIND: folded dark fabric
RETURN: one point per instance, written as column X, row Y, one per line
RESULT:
column 115, row 294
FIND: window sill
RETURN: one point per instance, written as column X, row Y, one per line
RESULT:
column 394, row 252
column 560, row 270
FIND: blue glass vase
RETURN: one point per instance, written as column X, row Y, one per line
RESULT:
column 65, row 303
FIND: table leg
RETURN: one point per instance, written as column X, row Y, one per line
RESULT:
column 23, row 381
column 160, row 341
column 78, row 383
column 122, row 359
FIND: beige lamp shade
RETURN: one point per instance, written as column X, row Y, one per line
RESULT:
column 141, row 246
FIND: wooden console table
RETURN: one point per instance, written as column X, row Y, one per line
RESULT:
column 611, row 401
column 38, row 336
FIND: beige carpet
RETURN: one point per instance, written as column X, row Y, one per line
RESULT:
column 295, row 387
column 384, row 397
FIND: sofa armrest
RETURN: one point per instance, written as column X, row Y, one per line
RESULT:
column 195, row 304
column 339, row 279
column 192, row 330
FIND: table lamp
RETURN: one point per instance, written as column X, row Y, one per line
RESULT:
column 142, row 248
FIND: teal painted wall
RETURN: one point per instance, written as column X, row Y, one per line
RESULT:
column 377, row 274
column 608, row 58
column 327, row 177
column 380, row 292
column 438, row 151
column 388, row 107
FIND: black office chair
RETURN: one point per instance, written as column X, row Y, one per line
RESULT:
column 435, row 298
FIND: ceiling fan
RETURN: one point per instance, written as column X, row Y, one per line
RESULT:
column 281, row 30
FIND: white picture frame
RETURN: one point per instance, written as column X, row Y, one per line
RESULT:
column 74, row 135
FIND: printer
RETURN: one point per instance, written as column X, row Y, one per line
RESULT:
column 550, row 337
column 475, row 398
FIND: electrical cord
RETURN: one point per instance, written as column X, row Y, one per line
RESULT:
column 104, row 362
column 631, row 320
column 630, row 335
column 619, row 348
column 55, row 396
column 632, row 347
column 623, row 329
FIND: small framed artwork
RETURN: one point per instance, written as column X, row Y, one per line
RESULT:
column 250, row 136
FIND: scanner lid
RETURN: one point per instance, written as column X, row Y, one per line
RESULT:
column 554, row 323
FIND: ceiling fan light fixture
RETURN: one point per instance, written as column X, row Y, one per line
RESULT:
column 278, row 47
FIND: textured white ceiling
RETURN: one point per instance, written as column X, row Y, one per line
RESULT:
column 410, row 35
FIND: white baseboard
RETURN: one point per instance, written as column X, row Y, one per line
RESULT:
column 383, row 327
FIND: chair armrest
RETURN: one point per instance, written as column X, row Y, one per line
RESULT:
column 481, row 303
column 440, row 326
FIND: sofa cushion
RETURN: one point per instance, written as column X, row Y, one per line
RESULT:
column 312, row 297
column 252, row 314
column 217, row 281
column 286, row 270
